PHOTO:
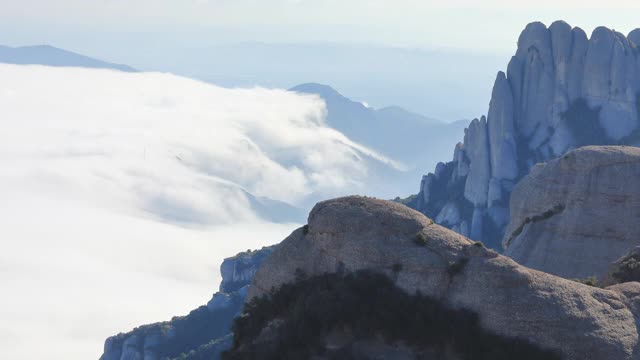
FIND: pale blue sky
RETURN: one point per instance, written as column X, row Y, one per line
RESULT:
column 413, row 23
column 466, row 42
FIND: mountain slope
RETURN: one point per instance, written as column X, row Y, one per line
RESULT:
column 205, row 330
column 392, row 131
column 561, row 91
column 349, row 235
column 51, row 56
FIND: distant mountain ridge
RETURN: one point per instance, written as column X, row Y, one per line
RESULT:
column 392, row 131
column 52, row 56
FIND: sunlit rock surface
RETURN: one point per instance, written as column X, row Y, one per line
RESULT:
column 356, row 233
column 576, row 214
column 561, row 91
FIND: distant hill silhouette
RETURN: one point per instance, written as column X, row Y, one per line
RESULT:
column 412, row 139
column 52, row 56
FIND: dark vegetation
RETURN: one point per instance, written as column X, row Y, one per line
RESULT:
column 197, row 329
column 293, row 322
column 628, row 270
column 544, row 216
column 406, row 201
column 591, row 281
column 189, row 337
column 208, row 351
column 420, row 240
column 456, row 267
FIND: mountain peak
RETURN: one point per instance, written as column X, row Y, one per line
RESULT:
column 561, row 91
column 322, row 90
column 52, row 56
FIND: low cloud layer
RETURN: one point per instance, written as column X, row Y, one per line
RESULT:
column 122, row 193
column 168, row 146
column 74, row 274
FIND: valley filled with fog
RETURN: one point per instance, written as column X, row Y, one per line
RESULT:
column 123, row 192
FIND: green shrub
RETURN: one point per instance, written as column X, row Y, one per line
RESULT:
column 406, row 201
column 629, row 270
column 456, row 267
column 591, row 281
column 420, row 239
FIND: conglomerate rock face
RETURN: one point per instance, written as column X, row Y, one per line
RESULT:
column 576, row 214
column 561, row 91
column 355, row 233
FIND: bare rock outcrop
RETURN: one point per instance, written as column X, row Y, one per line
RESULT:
column 205, row 332
column 576, row 214
column 561, row 91
column 355, row 233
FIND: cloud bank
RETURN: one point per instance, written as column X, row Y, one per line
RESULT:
column 122, row 193
column 168, row 146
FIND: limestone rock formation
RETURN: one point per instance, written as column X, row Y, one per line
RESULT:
column 561, row 91
column 355, row 233
column 205, row 332
column 576, row 214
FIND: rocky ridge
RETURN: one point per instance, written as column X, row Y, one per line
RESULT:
column 352, row 234
column 576, row 214
column 205, row 332
column 561, row 91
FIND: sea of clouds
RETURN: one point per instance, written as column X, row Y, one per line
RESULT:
column 122, row 193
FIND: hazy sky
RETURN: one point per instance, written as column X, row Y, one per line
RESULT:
column 184, row 37
column 415, row 23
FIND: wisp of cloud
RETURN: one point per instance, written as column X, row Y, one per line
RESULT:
column 122, row 193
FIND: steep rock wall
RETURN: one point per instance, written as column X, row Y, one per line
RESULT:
column 576, row 214
column 561, row 91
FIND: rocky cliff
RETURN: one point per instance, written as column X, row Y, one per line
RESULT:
column 353, row 234
column 561, row 91
column 576, row 214
column 205, row 332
